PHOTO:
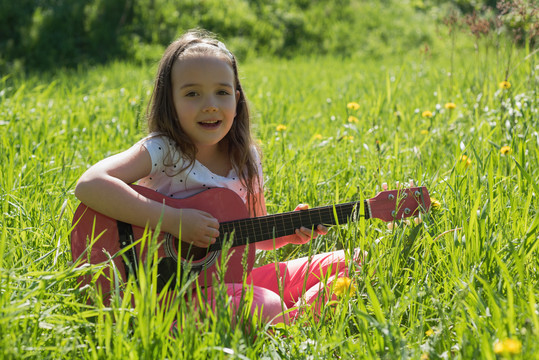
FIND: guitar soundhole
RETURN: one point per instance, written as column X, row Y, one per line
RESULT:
column 187, row 251
column 191, row 252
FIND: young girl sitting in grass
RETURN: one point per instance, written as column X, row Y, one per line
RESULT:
column 200, row 138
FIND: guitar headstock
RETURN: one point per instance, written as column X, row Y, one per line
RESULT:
column 398, row 204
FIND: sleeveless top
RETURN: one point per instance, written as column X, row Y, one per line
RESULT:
column 167, row 179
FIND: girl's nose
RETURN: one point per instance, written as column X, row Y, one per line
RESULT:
column 210, row 108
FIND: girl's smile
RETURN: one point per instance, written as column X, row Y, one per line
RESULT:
column 210, row 124
column 205, row 98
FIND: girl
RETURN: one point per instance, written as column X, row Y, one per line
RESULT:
column 199, row 138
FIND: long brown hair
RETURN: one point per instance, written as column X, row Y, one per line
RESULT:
column 162, row 118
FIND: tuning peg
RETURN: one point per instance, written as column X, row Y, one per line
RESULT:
column 384, row 186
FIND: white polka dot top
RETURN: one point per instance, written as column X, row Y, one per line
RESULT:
column 169, row 181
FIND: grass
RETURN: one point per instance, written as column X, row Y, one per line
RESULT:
column 454, row 286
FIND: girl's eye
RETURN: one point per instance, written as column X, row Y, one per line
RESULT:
column 191, row 94
column 223, row 92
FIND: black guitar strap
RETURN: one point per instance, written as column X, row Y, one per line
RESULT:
column 166, row 268
column 125, row 232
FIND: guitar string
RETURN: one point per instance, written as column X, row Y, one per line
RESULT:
column 268, row 224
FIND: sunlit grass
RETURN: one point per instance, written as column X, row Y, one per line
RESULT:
column 454, row 286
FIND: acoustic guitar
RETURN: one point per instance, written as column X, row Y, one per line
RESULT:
column 97, row 238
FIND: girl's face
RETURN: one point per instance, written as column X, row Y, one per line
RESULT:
column 205, row 98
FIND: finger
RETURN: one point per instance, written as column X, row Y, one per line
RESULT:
column 213, row 233
column 303, row 238
column 204, row 242
column 321, row 229
column 210, row 221
column 208, row 215
column 214, row 225
column 301, row 207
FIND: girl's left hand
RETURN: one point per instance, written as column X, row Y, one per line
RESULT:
column 303, row 234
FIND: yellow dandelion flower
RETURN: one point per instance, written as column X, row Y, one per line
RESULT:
column 318, row 136
column 465, row 161
column 348, row 137
column 343, row 285
column 424, row 356
column 450, row 106
column 132, row 101
column 506, row 150
column 353, row 119
column 508, row 346
column 504, row 85
column 426, row 114
column 429, row 332
column 281, row 127
column 352, row 105
column 424, row 132
column 435, row 204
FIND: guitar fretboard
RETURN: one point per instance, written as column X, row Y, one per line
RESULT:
column 268, row 227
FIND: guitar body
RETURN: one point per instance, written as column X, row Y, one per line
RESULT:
column 89, row 225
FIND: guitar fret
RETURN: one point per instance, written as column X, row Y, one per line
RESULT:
column 292, row 225
column 270, row 225
column 261, row 232
column 305, row 219
column 240, row 228
column 328, row 216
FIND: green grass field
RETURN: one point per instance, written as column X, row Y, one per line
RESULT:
column 462, row 284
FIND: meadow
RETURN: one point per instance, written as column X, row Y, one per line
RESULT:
column 462, row 283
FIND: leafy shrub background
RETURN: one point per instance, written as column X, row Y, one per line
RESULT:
column 45, row 34
column 42, row 34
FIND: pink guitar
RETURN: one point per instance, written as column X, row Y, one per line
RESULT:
column 96, row 237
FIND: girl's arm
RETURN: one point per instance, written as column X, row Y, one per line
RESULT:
column 104, row 188
column 302, row 236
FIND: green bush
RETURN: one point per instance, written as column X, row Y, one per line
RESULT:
column 48, row 34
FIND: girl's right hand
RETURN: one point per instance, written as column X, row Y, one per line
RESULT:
column 197, row 227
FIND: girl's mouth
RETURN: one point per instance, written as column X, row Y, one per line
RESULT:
column 210, row 124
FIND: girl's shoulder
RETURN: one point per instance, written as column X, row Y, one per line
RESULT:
column 162, row 149
column 255, row 151
column 156, row 137
column 158, row 141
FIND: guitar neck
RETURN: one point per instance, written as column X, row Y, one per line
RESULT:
column 252, row 230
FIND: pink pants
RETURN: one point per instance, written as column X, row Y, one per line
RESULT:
column 302, row 283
